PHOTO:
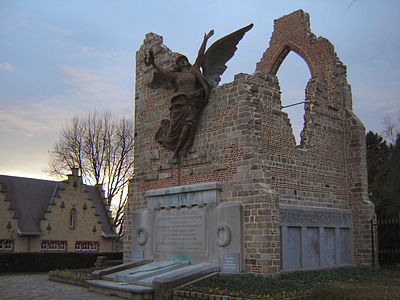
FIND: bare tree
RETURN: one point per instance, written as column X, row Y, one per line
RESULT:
column 101, row 147
column 391, row 129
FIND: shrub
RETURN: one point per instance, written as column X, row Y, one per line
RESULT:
column 44, row 262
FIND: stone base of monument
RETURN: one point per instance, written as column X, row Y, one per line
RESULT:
column 185, row 233
column 189, row 223
column 148, row 280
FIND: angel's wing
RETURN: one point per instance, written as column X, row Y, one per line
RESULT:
column 219, row 53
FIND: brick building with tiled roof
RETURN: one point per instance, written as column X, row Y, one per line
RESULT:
column 67, row 216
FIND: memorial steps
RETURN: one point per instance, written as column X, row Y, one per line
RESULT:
column 147, row 280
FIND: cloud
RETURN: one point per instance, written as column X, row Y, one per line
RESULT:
column 104, row 55
column 87, row 89
column 98, row 86
column 105, row 82
column 79, row 74
column 7, row 67
column 34, row 119
column 370, row 101
column 57, row 30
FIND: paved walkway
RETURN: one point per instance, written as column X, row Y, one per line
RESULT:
column 24, row 287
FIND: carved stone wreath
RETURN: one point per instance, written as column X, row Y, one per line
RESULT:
column 224, row 235
column 142, row 235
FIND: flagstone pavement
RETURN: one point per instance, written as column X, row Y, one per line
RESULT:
column 37, row 286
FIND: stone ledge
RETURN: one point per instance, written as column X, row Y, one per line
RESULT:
column 100, row 273
column 127, row 291
column 123, row 286
column 184, row 189
column 187, row 295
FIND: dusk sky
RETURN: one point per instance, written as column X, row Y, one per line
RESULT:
column 64, row 58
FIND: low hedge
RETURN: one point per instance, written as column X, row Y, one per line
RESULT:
column 44, row 262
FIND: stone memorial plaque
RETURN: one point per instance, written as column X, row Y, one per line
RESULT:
column 180, row 231
column 137, row 254
column 230, row 263
column 293, row 258
column 311, row 255
column 314, row 217
column 314, row 237
column 345, row 246
column 329, row 247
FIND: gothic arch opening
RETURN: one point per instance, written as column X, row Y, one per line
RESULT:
column 293, row 74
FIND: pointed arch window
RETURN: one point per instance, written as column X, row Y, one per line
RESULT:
column 72, row 220
column 294, row 74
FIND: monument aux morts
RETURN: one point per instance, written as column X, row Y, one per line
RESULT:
column 235, row 189
column 220, row 184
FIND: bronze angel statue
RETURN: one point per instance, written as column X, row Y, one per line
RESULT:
column 192, row 84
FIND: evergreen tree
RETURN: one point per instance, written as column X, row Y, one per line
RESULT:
column 388, row 181
column 377, row 153
column 384, row 175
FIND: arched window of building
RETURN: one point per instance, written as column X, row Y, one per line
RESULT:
column 293, row 77
column 72, row 220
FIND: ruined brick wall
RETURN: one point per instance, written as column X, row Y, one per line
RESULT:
column 223, row 151
column 245, row 141
column 292, row 33
column 328, row 169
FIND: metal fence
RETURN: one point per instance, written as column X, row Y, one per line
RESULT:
column 388, row 238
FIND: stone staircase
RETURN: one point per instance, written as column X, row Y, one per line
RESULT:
column 147, row 280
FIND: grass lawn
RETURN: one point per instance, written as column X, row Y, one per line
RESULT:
column 345, row 283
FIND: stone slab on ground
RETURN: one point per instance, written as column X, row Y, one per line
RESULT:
column 138, row 274
column 121, row 289
column 154, row 281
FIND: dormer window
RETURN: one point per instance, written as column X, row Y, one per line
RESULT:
column 72, row 219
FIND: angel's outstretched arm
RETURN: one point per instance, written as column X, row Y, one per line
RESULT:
column 149, row 60
column 200, row 55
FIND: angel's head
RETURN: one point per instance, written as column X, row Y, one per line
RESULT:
column 182, row 62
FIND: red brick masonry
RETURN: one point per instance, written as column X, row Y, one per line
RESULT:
column 245, row 141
